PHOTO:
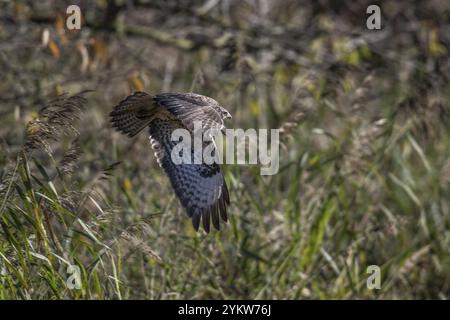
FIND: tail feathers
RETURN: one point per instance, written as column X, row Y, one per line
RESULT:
column 133, row 114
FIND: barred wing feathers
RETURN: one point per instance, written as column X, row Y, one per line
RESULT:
column 134, row 113
column 189, row 108
column 201, row 188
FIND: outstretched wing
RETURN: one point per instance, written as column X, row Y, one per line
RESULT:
column 133, row 113
column 201, row 188
column 189, row 108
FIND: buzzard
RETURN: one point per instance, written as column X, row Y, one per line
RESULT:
column 201, row 188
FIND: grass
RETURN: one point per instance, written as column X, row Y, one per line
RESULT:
column 374, row 195
column 364, row 163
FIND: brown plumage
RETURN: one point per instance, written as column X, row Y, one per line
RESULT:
column 201, row 188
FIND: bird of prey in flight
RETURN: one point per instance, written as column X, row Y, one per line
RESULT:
column 201, row 188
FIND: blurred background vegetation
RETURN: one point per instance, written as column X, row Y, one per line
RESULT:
column 365, row 157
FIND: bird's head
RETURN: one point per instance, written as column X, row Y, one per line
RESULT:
column 224, row 113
